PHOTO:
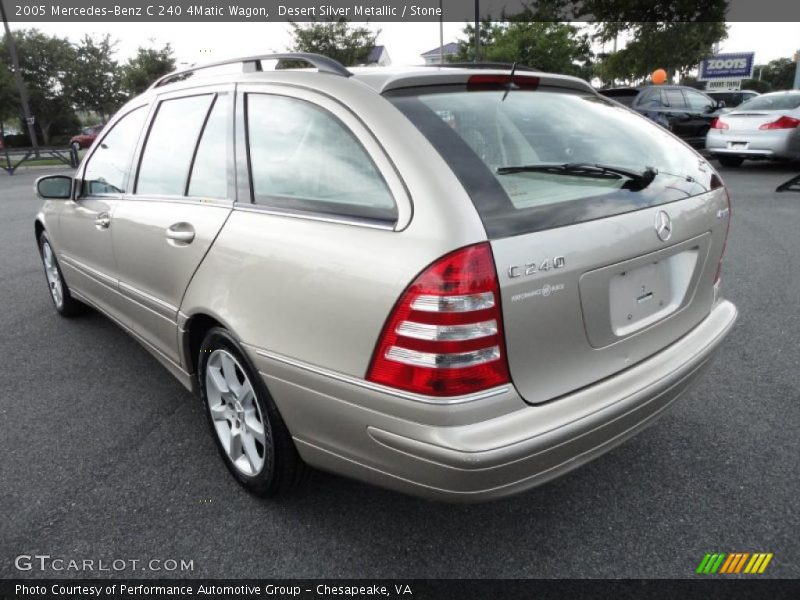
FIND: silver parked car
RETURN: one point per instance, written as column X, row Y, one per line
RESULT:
column 766, row 127
column 452, row 282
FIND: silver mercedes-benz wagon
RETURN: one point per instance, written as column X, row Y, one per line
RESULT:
column 453, row 282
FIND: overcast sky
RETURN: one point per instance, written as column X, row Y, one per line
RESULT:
column 204, row 42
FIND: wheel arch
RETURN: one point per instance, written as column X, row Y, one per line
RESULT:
column 38, row 229
column 191, row 332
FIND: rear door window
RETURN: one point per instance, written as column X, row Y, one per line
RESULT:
column 484, row 134
column 674, row 98
column 303, row 158
column 650, row 98
column 698, row 101
column 170, row 145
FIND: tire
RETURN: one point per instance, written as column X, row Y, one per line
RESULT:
column 62, row 299
column 250, row 434
column 730, row 161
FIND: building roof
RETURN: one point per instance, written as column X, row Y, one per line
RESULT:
column 375, row 54
column 450, row 48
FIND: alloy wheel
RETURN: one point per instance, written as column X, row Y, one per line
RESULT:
column 53, row 276
column 235, row 412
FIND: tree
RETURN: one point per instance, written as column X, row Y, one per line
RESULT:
column 674, row 47
column 762, row 87
column 9, row 102
column 549, row 46
column 44, row 62
column 778, row 73
column 339, row 40
column 143, row 69
column 489, row 30
column 94, row 82
column 673, row 35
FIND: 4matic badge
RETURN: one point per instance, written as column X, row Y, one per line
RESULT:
column 543, row 292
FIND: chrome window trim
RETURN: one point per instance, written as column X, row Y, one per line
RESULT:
column 448, row 401
column 311, row 216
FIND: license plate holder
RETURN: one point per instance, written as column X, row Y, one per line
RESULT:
column 646, row 294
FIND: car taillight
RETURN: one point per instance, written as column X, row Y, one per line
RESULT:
column 718, row 123
column 783, row 123
column 444, row 336
column 718, row 274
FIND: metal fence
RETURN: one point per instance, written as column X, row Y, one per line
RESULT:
column 12, row 158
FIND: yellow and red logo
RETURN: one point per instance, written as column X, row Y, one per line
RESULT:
column 734, row 563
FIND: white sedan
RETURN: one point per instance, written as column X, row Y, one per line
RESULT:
column 766, row 127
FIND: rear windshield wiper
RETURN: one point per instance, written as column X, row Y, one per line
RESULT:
column 637, row 180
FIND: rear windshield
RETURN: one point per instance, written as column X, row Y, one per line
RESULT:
column 483, row 133
column 779, row 102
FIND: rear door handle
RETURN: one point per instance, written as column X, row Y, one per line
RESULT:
column 182, row 233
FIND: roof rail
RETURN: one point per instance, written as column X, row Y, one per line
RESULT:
column 481, row 65
column 252, row 64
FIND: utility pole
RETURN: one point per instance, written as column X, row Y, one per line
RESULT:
column 796, row 85
column 477, row 31
column 23, row 92
column 441, row 34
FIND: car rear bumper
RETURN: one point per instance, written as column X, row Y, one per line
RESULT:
column 489, row 447
column 777, row 144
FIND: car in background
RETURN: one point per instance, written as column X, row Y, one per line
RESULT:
column 86, row 137
column 732, row 98
column 685, row 111
column 764, row 128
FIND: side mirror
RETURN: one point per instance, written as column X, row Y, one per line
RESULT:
column 54, row 187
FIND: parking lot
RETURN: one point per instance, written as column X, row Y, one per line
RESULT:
column 106, row 456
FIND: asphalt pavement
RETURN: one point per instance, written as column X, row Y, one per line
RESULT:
column 103, row 455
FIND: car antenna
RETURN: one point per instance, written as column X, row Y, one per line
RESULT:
column 510, row 85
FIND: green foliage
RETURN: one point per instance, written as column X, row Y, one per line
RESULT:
column 339, row 40
column 762, row 87
column 143, row 69
column 489, row 31
column 674, row 47
column 778, row 74
column 549, row 46
column 679, row 34
column 61, row 78
column 94, row 81
column 44, row 62
column 8, row 95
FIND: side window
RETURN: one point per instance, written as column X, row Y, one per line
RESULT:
column 167, row 155
column 674, row 98
column 651, row 99
column 107, row 169
column 303, row 158
column 209, row 175
column 697, row 101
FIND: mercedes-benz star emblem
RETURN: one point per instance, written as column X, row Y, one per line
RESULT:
column 663, row 226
